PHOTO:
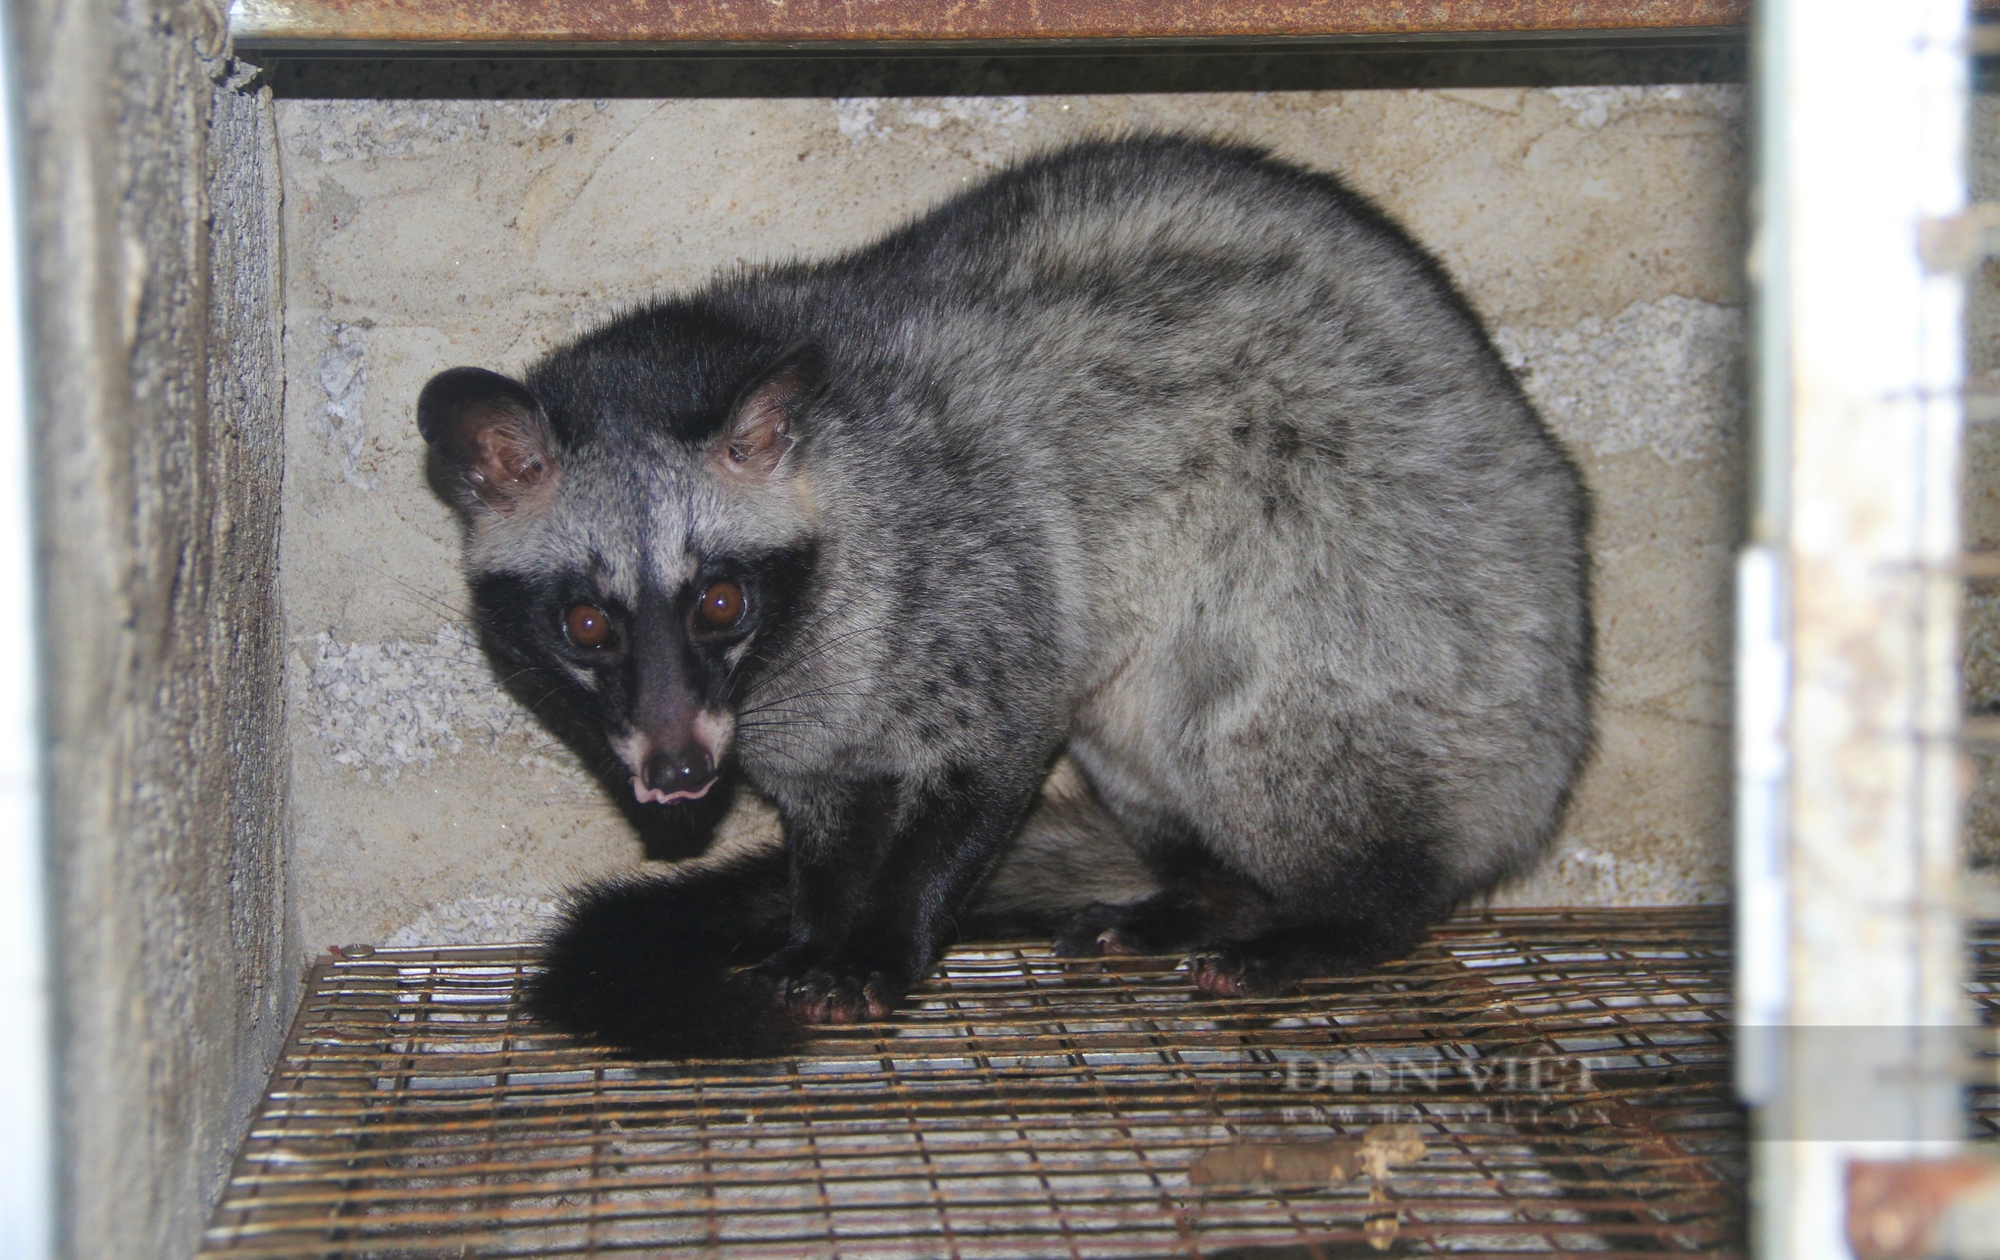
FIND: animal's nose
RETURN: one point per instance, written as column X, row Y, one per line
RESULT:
column 684, row 771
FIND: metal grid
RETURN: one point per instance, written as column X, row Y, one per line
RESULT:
column 1983, row 983
column 1568, row 1071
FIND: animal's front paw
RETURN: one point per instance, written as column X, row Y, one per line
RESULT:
column 829, row 993
column 1217, row 973
column 825, row 997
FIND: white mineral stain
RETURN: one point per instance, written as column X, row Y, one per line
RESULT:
column 855, row 116
column 862, row 117
column 341, row 131
column 343, row 374
column 982, row 111
column 378, row 707
column 1594, row 107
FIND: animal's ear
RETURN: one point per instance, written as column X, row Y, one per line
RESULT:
column 491, row 432
column 762, row 426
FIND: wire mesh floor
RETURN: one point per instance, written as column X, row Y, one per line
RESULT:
column 1566, row 1071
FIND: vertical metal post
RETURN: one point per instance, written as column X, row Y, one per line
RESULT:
column 1848, row 924
column 25, row 1154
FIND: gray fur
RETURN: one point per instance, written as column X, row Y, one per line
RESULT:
column 1162, row 453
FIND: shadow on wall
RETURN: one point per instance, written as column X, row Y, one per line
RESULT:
column 1689, row 59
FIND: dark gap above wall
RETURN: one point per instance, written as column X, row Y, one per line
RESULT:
column 1719, row 58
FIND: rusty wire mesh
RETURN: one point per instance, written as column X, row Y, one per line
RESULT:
column 1568, row 1071
column 1983, row 982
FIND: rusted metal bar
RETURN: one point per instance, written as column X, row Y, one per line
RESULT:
column 667, row 25
column 1250, row 1165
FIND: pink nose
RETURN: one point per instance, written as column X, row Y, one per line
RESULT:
column 685, row 774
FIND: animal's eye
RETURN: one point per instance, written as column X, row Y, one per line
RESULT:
column 587, row 625
column 721, row 605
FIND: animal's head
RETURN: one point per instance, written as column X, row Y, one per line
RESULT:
column 639, row 529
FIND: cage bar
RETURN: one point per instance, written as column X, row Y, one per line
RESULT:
column 667, row 25
column 25, row 1152
column 1847, row 674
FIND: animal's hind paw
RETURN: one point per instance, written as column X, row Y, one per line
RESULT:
column 1233, row 972
column 1154, row 926
column 1084, row 936
column 1110, row 942
column 1276, row 962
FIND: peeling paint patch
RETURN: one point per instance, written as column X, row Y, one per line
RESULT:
column 378, row 707
column 481, row 919
column 343, row 374
column 1665, row 376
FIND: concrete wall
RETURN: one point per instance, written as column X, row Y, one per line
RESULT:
column 156, row 393
column 1599, row 230
column 1981, row 627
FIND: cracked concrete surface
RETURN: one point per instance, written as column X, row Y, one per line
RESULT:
column 1980, row 628
column 1665, row 377
column 149, row 204
column 1599, row 230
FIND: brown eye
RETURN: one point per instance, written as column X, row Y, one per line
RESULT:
column 588, row 625
column 721, row 604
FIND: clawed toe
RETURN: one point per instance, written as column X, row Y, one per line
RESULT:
column 1113, row 941
column 1084, row 935
column 819, row 996
column 1108, row 943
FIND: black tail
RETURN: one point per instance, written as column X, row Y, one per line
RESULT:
column 655, row 967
